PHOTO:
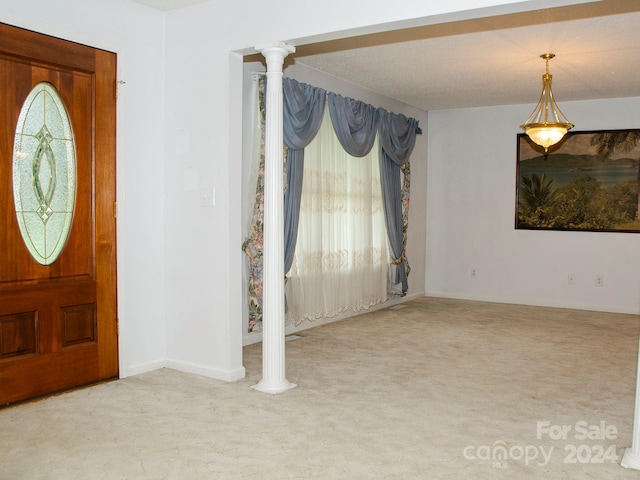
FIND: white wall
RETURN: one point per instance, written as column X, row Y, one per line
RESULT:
column 471, row 210
column 136, row 34
column 417, row 221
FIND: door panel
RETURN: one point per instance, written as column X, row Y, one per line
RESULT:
column 58, row 325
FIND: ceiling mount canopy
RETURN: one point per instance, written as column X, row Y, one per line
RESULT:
column 547, row 124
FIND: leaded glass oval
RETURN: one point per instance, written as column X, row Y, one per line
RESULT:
column 44, row 173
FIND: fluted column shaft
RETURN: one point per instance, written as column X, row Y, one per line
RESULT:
column 273, row 341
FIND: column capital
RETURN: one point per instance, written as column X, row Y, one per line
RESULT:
column 275, row 50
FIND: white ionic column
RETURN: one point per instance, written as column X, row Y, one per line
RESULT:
column 273, row 341
column 631, row 457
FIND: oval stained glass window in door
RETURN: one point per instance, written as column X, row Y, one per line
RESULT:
column 44, row 173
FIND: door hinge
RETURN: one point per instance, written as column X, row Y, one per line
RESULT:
column 118, row 83
column 115, row 209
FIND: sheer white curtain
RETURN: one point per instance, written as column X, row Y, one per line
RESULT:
column 342, row 255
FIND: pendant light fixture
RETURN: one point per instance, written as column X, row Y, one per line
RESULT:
column 547, row 124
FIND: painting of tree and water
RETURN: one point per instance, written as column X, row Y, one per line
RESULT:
column 589, row 181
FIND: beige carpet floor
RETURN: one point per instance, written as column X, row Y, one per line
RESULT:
column 435, row 389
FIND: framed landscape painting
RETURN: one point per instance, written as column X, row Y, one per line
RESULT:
column 590, row 181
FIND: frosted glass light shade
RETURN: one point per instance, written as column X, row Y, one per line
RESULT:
column 546, row 135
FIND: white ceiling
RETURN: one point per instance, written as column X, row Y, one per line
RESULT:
column 490, row 61
column 167, row 5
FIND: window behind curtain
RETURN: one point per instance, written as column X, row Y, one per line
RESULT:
column 342, row 255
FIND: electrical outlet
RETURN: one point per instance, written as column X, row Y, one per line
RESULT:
column 599, row 280
column 474, row 273
column 571, row 279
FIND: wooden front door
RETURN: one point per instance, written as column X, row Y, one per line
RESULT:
column 58, row 325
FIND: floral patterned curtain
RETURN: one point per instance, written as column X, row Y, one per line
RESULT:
column 404, row 194
column 253, row 246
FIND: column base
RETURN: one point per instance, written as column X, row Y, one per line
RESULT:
column 273, row 388
column 630, row 459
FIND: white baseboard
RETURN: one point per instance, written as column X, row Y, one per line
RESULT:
column 530, row 302
column 187, row 367
column 143, row 368
column 256, row 337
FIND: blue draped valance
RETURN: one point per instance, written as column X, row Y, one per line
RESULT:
column 303, row 112
column 397, row 137
column 354, row 122
column 356, row 125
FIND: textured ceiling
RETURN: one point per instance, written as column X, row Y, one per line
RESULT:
column 493, row 60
